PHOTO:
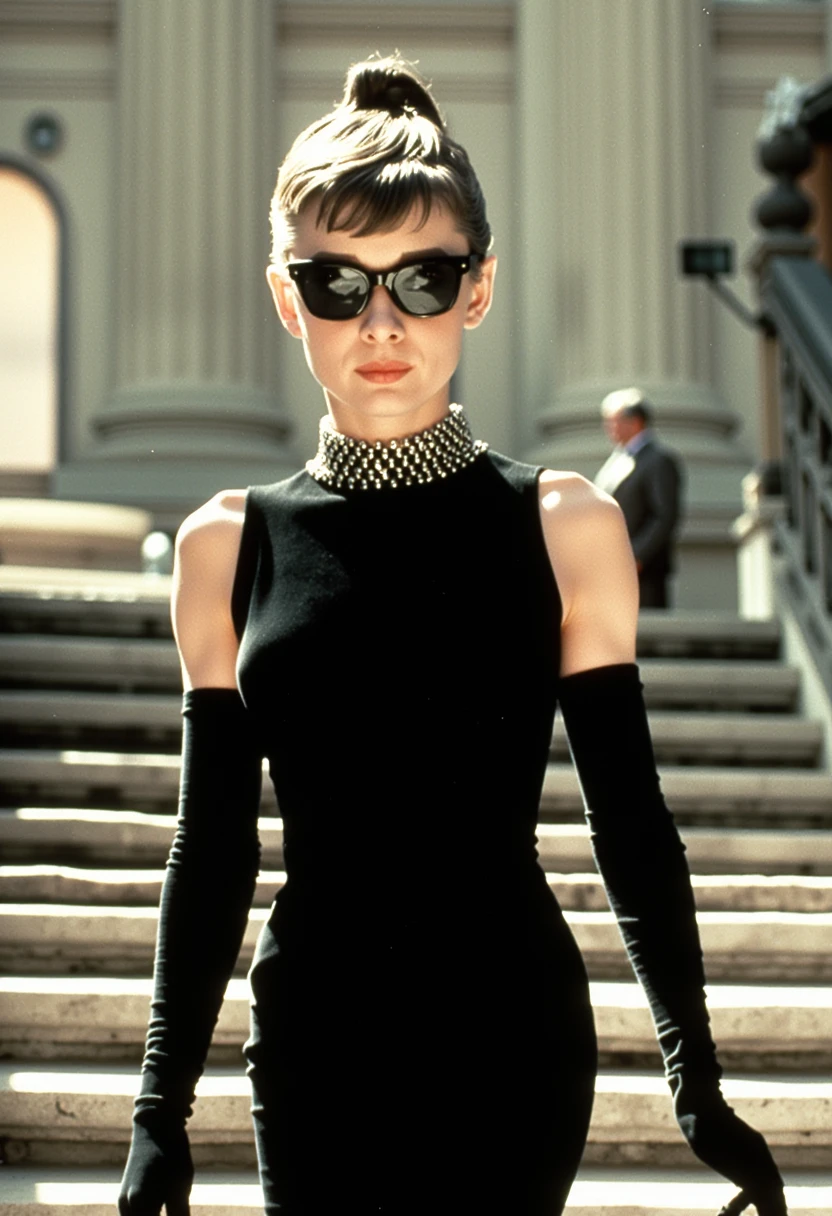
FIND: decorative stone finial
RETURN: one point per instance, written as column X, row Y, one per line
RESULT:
column 784, row 149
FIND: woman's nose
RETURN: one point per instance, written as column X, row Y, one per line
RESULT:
column 381, row 320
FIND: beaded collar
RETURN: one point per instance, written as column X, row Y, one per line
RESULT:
column 343, row 463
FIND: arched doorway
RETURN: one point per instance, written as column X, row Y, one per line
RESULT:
column 32, row 345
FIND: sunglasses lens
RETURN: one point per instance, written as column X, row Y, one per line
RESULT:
column 427, row 288
column 336, row 293
column 333, row 292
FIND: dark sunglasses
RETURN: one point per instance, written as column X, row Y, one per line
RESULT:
column 334, row 291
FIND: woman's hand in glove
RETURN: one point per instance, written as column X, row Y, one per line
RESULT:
column 728, row 1145
column 738, row 1204
column 159, row 1172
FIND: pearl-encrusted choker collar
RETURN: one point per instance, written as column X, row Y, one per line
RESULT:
column 343, row 463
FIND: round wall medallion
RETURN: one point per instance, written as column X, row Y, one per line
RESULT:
column 44, row 134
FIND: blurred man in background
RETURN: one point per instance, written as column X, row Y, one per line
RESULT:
column 646, row 480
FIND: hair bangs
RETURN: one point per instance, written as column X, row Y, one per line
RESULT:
column 381, row 198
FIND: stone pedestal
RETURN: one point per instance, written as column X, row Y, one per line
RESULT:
column 192, row 410
column 71, row 535
column 756, row 563
column 622, row 130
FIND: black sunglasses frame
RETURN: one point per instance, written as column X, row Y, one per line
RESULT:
column 461, row 263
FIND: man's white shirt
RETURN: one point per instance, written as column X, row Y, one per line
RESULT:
column 621, row 462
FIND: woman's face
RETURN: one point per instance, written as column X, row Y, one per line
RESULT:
column 369, row 404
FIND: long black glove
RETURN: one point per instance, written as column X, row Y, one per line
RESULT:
column 206, row 896
column 641, row 859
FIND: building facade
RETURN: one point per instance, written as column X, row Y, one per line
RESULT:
column 603, row 131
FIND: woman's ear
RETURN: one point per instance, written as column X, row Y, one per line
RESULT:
column 284, row 298
column 482, row 293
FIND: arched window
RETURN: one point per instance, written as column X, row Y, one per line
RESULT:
column 31, row 342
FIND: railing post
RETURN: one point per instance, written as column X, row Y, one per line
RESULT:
column 754, row 532
column 784, row 149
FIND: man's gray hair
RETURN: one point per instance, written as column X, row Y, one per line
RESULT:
column 629, row 402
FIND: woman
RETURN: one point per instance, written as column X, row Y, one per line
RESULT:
column 400, row 619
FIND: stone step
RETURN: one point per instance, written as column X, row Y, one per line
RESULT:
column 705, row 633
column 748, row 946
column 113, row 837
column 104, row 1018
column 106, row 837
column 58, row 884
column 697, row 737
column 51, row 1114
column 48, row 718
column 52, row 600
column 101, row 602
column 127, row 664
column 97, row 778
column 732, row 684
column 144, row 664
column 706, row 794
column 712, row 795
column 621, row 1190
column 713, row 851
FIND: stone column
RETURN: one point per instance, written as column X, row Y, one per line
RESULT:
column 192, row 410
column 622, row 122
column 534, row 247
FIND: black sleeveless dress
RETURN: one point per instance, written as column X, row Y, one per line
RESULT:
column 421, row 1034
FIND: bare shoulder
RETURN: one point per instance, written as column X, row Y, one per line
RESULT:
column 208, row 540
column 220, row 517
column 592, row 561
column 567, row 496
column 207, row 549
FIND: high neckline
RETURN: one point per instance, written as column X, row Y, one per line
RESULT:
column 344, row 463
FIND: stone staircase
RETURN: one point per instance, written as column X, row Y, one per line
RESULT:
column 89, row 740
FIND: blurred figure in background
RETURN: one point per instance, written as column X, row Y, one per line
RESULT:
column 646, row 480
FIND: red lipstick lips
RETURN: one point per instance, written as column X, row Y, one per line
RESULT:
column 386, row 371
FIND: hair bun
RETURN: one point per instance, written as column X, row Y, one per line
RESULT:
column 389, row 84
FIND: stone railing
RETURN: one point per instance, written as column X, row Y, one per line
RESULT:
column 795, row 291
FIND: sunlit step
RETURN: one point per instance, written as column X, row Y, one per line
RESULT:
column 110, row 837
column 87, row 601
column 56, row 884
column 128, row 664
column 565, row 847
column 54, row 717
column 152, row 779
column 121, row 940
column 697, row 737
column 622, row 1191
column 691, row 791
column 44, row 1105
column 63, row 1013
column 143, row 779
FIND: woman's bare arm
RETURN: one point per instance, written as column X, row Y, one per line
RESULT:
column 207, row 546
column 592, row 560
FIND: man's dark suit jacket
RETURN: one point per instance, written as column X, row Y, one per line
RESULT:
column 650, row 497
